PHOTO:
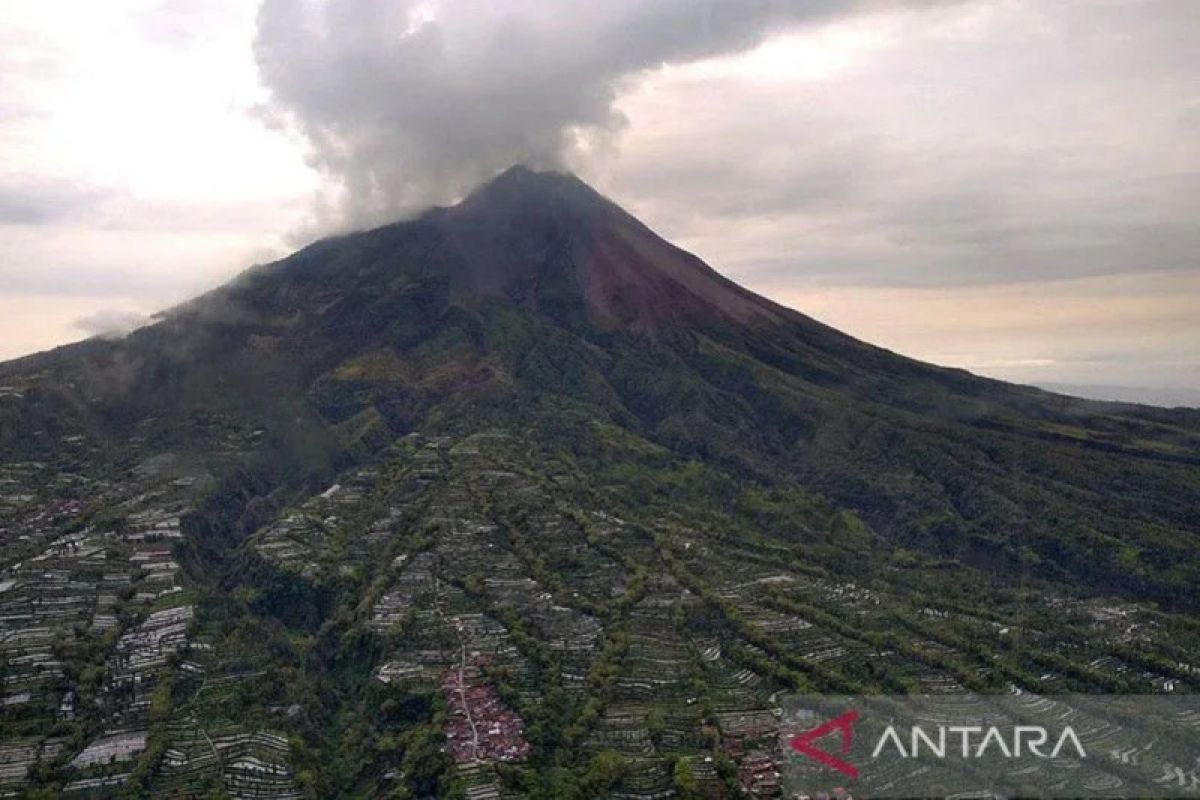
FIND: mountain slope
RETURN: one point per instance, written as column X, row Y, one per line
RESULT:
column 536, row 289
column 524, row 442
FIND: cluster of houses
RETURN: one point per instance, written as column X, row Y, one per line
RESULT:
column 479, row 727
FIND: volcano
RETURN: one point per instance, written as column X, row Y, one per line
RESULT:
column 524, row 450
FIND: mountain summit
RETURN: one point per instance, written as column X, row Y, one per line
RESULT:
column 548, row 238
column 520, row 466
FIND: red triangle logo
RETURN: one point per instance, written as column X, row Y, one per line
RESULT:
column 845, row 725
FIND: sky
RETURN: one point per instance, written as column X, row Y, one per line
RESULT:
column 1009, row 186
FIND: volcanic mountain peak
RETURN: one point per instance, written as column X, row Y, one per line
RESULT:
column 522, row 191
column 529, row 235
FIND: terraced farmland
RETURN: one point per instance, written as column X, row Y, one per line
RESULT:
column 469, row 614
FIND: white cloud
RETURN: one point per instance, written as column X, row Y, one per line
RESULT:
column 111, row 323
column 990, row 142
column 407, row 103
column 132, row 168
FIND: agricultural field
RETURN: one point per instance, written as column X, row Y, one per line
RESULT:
column 470, row 615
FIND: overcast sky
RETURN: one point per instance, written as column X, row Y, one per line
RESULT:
column 1011, row 186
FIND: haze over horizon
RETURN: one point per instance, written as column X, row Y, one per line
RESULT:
column 996, row 185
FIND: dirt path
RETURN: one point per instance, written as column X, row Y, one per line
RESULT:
column 462, row 670
column 462, row 693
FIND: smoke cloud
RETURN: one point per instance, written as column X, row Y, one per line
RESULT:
column 406, row 104
column 111, row 323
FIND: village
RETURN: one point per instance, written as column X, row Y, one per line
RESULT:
column 666, row 647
